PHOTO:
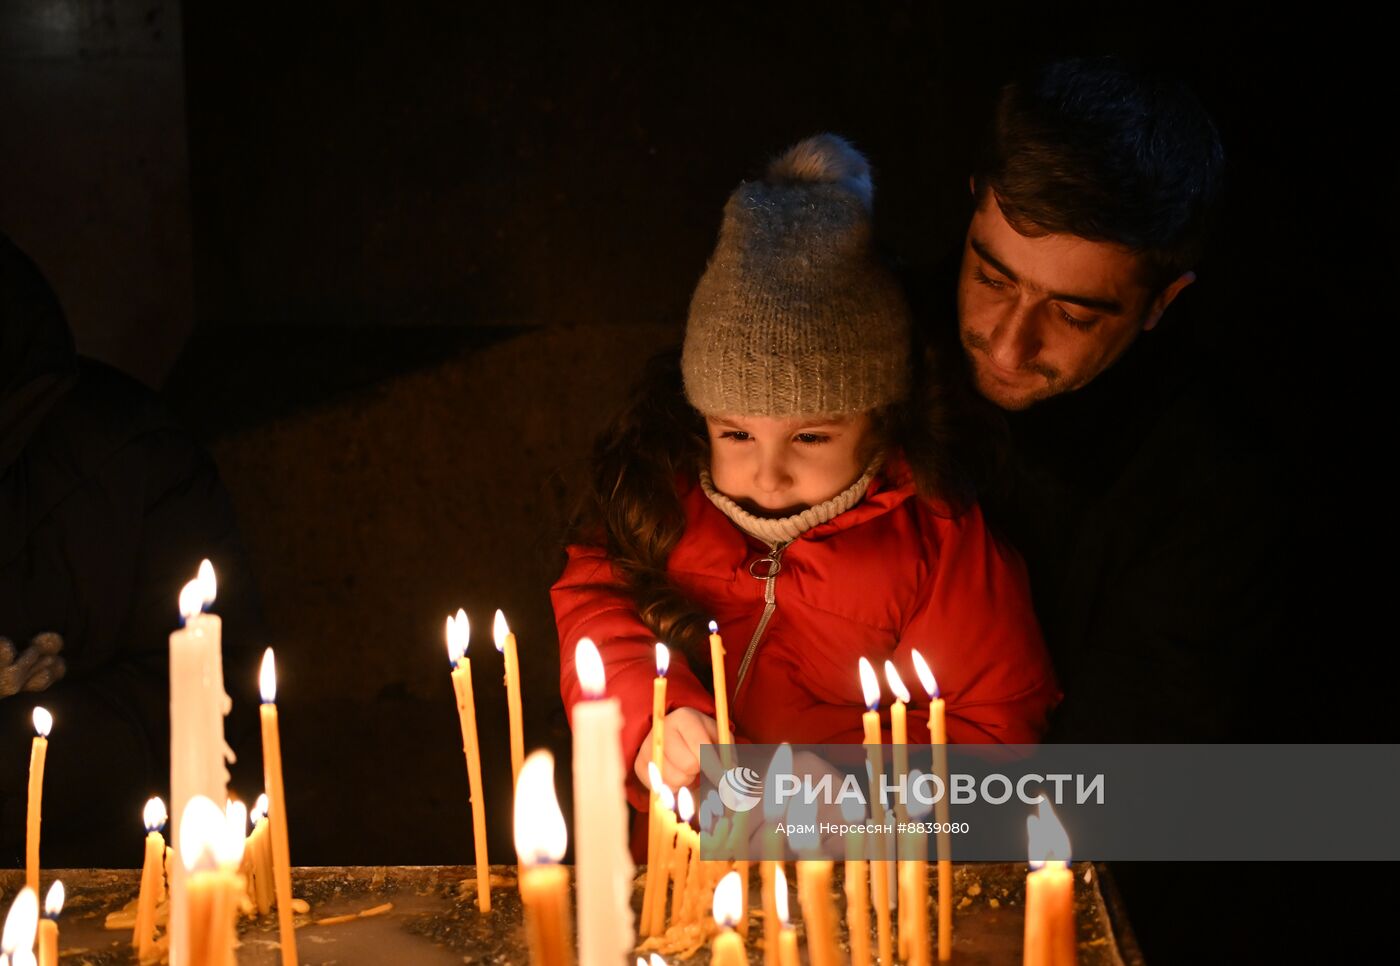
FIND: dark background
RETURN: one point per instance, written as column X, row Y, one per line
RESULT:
column 396, row 264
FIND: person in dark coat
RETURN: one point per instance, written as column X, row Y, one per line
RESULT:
column 1123, row 460
column 106, row 509
column 1142, row 493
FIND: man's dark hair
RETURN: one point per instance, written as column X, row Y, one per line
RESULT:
column 1094, row 148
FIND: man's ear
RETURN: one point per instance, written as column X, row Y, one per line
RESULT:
column 1165, row 297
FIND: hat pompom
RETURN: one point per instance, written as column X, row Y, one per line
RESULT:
column 825, row 159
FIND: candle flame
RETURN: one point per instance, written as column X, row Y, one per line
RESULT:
column 228, row 847
column 727, row 904
column 869, row 685
column 208, row 585
column 459, row 634
column 685, row 805
column 191, row 600
column 53, row 902
column 43, row 722
column 653, row 776
column 1049, row 842
column 714, row 628
column 926, row 677
column 657, row 960
column 499, row 630
column 267, row 678
column 154, row 815
column 200, row 828
column 780, row 896
column 21, row 923
column 896, row 682
column 666, row 797
column 589, row 665
column 540, row 833
column 663, row 659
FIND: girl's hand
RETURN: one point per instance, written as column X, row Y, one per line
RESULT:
column 686, row 730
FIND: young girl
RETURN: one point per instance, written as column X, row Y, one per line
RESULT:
column 784, row 481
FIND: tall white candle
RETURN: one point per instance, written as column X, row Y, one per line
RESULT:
column 199, row 755
column 602, row 861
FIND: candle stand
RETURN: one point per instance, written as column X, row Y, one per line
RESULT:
column 434, row 918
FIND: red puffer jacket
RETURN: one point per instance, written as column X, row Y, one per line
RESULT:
column 887, row 576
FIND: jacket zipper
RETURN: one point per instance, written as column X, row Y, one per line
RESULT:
column 770, row 604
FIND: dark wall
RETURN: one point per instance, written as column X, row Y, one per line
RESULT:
column 94, row 170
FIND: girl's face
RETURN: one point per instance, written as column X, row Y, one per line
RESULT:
column 777, row 467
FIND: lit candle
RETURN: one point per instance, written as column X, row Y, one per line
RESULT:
column 899, row 729
column 38, row 752
column 786, row 945
column 601, row 856
column 1050, row 938
column 458, row 639
column 143, row 936
column 665, row 848
column 680, row 860
column 48, row 926
column 540, row 840
column 17, row 939
column 260, row 857
column 276, row 811
column 899, row 739
column 938, row 737
column 773, row 812
column 658, row 754
column 913, row 883
column 505, row 643
column 857, row 886
column 879, row 869
column 727, row 948
column 198, row 704
column 229, row 846
column 210, row 850
column 721, row 690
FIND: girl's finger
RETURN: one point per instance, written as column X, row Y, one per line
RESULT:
column 679, row 758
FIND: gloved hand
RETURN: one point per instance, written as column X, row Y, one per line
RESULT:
column 35, row 668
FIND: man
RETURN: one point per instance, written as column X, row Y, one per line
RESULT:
column 106, row 509
column 1123, row 459
column 1135, row 488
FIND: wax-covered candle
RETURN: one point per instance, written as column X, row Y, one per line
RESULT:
column 540, row 840
column 602, row 859
column 458, row 639
column 276, row 811
column 38, row 754
column 1049, row 937
column 938, row 737
column 199, row 755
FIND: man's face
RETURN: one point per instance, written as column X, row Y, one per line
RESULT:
column 777, row 467
column 1043, row 316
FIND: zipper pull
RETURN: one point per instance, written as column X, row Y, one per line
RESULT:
column 768, row 566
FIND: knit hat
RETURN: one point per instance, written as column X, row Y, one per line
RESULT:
column 794, row 314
